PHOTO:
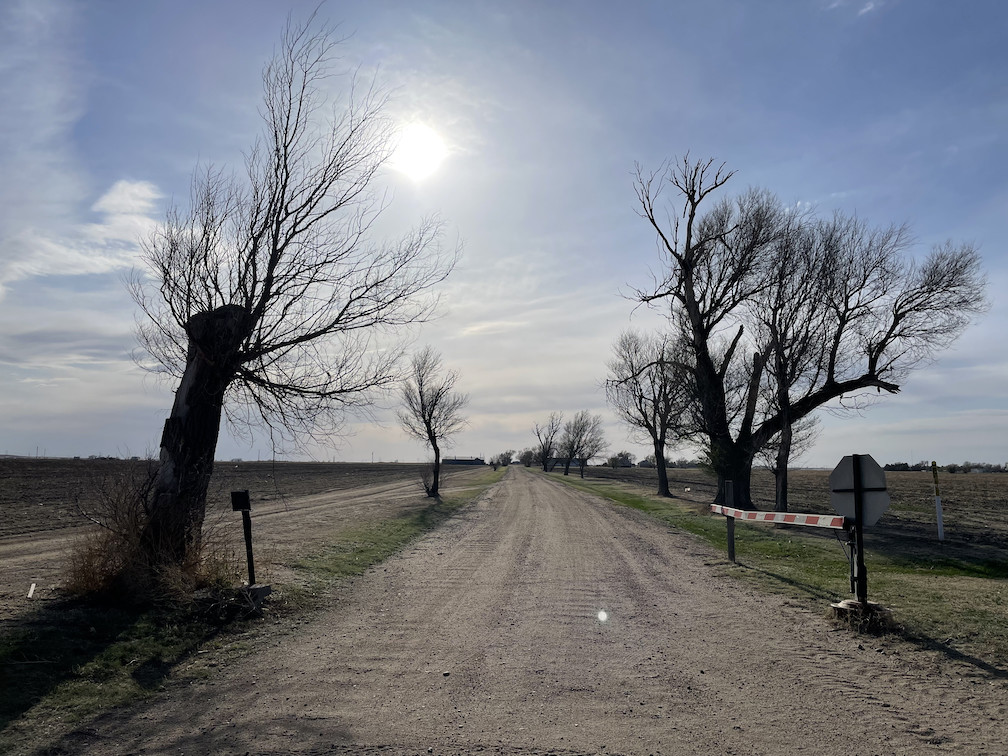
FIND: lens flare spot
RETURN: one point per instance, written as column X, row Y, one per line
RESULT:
column 603, row 615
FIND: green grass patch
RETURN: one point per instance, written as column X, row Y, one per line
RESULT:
column 951, row 603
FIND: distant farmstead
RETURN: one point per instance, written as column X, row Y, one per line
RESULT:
column 463, row 461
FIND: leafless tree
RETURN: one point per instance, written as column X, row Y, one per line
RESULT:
column 527, row 457
column 882, row 313
column 503, row 459
column 650, row 391
column 582, row 439
column 547, row 435
column 265, row 298
column 593, row 442
column 432, row 409
column 789, row 319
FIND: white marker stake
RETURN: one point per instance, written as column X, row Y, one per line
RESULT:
column 938, row 506
column 31, row 591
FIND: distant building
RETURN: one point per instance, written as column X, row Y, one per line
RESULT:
column 463, row 461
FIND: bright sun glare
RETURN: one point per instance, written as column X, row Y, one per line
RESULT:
column 419, row 152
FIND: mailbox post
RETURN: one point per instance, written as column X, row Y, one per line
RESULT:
column 240, row 503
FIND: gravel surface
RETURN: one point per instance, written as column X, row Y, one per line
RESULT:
column 487, row 636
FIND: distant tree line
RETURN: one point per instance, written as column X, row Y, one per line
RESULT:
column 952, row 468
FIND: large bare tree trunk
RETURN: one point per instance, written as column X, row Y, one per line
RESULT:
column 663, row 487
column 435, row 470
column 178, row 503
column 734, row 463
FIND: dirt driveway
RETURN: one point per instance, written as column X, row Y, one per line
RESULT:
column 486, row 637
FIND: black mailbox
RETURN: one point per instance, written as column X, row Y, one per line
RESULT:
column 240, row 501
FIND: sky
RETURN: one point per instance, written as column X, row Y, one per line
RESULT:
column 896, row 111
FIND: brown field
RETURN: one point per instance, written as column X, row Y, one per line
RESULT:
column 39, row 494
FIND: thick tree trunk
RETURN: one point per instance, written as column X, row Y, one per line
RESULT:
column 732, row 461
column 434, row 491
column 178, row 502
column 567, row 464
column 659, row 453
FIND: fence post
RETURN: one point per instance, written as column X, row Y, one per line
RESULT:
column 938, row 506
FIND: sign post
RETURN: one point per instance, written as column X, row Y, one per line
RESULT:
column 858, row 492
column 240, row 503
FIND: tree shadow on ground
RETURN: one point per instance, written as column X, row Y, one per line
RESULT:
column 917, row 638
column 71, row 642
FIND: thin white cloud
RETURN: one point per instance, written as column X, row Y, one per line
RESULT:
column 868, row 8
column 109, row 245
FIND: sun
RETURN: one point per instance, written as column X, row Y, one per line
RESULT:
column 419, row 152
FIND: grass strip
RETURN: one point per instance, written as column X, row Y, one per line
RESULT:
column 957, row 606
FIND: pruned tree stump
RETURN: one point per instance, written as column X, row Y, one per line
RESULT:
column 863, row 617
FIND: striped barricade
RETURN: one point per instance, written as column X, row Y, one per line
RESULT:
column 835, row 522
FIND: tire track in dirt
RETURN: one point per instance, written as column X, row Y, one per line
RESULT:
column 485, row 637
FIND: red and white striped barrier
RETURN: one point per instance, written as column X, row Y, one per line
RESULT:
column 816, row 521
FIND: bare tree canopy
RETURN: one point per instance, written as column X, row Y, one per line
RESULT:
column 547, row 434
column 647, row 389
column 783, row 312
column 265, row 296
column 583, row 439
column 432, row 409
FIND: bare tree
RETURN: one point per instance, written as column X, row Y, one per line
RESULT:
column 883, row 314
column 547, row 436
column 789, row 318
column 432, row 409
column 648, row 391
column 527, row 457
column 503, row 459
column 265, row 297
column 582, row 440
column 593, row 442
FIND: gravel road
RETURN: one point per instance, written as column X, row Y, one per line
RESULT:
column 487, row 636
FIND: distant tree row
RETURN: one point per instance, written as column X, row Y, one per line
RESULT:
column 579, row 439
column 965, row 467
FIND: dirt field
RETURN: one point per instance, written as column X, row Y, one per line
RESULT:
column 486, row 636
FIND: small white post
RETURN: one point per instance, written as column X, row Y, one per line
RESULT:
column 938, row 506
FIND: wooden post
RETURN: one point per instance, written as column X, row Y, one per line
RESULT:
column 730, row 502
column 240, row 503
column 938, row 506
column 247, row 526
column 860, row 574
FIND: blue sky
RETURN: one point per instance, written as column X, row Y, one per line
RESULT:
column 894, row 110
